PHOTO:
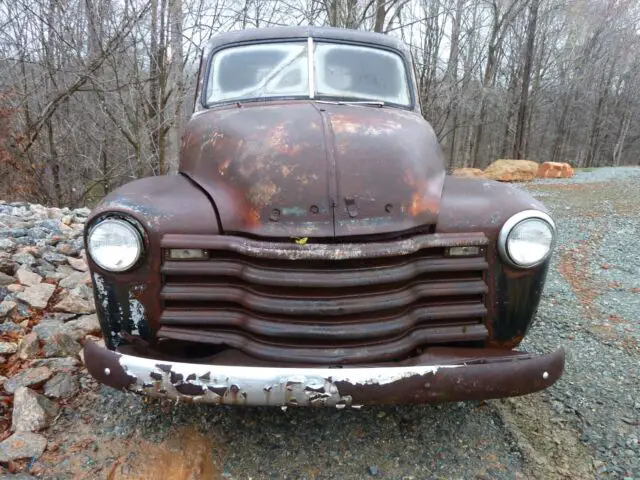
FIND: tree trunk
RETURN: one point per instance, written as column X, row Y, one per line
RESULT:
column 507, row 140
column 481, row 114
column 106, row 184
column 55, row 165
column 622, row 134
column 177, row 65
column 451, row 79
column 594, row 135
column 161, row 133
column 521, row 121
column 154, row 84
column 381, row 13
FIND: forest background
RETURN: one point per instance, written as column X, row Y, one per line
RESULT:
column 95, row 93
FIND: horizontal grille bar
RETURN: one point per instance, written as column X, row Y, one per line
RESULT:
column 310, row 251
column 322, row 277
column 334, row 354
column 334, row 305
column 370, row 328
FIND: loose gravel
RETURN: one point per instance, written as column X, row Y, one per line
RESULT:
column 585, row 426
column 592, row 306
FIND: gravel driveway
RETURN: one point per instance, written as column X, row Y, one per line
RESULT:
column 585, row 426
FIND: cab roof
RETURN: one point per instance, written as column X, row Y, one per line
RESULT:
column 324, row 33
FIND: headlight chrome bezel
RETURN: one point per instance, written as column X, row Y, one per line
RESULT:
column 515, row 220
column 131, row 227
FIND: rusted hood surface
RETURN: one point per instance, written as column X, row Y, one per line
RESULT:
column 306, row 169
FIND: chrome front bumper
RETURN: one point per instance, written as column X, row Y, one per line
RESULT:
column 443, row 375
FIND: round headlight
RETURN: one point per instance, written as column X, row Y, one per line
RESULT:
column 115, row 245
column 527, row 238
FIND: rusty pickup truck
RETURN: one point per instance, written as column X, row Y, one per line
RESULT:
column 311, row 249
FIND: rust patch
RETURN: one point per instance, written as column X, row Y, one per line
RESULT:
column 286, row 170
column 345, row 124
column 421, row 199
column 222, row 169
column 261, row 193
column 371, row 126
column 280, row 142
column 251, row 216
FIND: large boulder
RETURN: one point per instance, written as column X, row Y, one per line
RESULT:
column 512, row 170
column 555, row 170
column 468, row 173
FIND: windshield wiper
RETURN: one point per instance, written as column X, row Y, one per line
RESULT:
column 366, row 103
column 277, row 70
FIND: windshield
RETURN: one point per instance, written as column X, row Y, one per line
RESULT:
column 256, row 71
column 360, row 73
column 340, row 72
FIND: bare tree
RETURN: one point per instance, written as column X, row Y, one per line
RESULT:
column 95, row 93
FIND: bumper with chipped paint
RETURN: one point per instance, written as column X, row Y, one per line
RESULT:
column 447, row 374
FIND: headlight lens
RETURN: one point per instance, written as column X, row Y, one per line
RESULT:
column 527, row 238
column 115, row 245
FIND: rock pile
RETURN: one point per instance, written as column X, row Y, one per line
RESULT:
column 517, row 171
column 46, row 313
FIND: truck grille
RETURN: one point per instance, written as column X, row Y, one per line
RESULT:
column 325, row 304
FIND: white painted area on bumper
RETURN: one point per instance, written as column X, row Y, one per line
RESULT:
column 221, row 384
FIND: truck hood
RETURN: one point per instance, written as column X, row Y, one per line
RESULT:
column 313, row 169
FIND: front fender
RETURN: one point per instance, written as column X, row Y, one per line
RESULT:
column 480, row 205
column 128, row 303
